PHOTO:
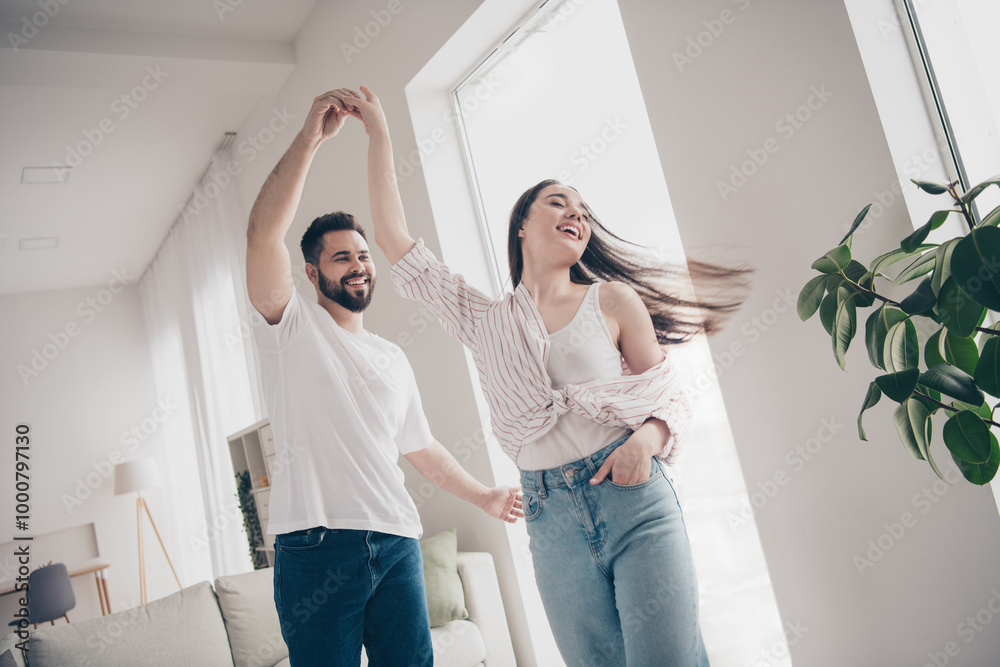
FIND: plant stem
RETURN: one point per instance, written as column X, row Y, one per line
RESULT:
column 949, row 407
column 965, row 210
column 868, row 291
column 992, row 332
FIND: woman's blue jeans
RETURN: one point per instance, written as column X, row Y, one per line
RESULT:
column 337, row 589
column 613, row 566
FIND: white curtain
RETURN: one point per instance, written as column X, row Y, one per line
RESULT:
column 195, row 306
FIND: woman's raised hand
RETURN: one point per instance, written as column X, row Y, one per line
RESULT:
column 327, row 115
column 367, row 109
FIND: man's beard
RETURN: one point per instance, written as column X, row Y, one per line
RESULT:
column 343, row 295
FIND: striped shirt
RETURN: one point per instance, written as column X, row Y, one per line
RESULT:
column 510, row 345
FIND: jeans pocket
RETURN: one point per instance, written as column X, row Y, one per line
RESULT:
column 301, row 540
column 531, row 504
column 656, row 474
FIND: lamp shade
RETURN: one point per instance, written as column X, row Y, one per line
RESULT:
column 137, row 475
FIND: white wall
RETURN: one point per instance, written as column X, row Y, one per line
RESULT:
column 762, row 63
column 338, row 180
column 94, row 389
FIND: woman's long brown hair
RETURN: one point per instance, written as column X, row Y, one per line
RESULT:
column 609, row 258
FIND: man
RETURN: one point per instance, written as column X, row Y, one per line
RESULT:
column 343, row 405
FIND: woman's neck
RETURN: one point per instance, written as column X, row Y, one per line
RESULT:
column 546, row 283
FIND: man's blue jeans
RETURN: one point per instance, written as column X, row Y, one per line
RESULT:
column 613, row 567
column 338, row 589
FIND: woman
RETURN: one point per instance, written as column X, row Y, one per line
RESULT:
column 610, row 550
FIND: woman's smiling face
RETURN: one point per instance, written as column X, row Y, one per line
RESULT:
column 558, row 225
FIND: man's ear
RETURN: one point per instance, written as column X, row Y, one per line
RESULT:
column 312, row 273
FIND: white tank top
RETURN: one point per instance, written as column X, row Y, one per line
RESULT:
column 579, row 352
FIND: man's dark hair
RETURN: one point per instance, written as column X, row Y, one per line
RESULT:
column 312, row 240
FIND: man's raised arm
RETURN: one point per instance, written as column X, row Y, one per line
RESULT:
column 269, row 266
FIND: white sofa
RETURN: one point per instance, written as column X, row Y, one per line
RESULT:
column 236, row 625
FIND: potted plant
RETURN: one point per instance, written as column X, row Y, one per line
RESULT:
column 953, row 376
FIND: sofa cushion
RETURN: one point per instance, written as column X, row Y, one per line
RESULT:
column 185, row 628
column 247, row 604
column 445, row 595
column 458, row 644
column 9, row 644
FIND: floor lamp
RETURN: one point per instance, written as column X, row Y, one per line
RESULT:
column 136, row 477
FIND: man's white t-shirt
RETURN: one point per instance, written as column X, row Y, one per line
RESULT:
column 342, row 408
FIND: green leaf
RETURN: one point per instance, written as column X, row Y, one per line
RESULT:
column 920, row 266
column 911, row 242
column 942, row 264
column 910, row 419
column 811, row 296
column 901, row 349
column 857, row 222
column 834, row 261
column 871, row 398
column 856, row 272
column 932, row 349
column 931, row 187
column 987, row 373
column 957, row 310
column 876, row 329
column 921, row 301
column 983, row 410
column 992, row 218
column 898, row 386
column 954, row 382
column 967, row 437
column 981, row 473
column 845, row 325
column 977, row 190
column 827, row 311
column 958, row 351
column 975, row 266
column 883, row 262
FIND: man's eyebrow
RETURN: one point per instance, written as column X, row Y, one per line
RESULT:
column 348, row 252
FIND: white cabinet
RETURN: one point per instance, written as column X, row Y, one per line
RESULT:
column 252, row 452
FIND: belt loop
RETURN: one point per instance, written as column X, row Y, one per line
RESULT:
column 541, row 484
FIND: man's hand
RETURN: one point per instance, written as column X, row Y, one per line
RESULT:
column 502, row 502
column 630, row 463
column 367, row 109
column 327, row 115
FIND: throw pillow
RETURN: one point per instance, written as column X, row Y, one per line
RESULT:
column 445, row 595
column 7, row 659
